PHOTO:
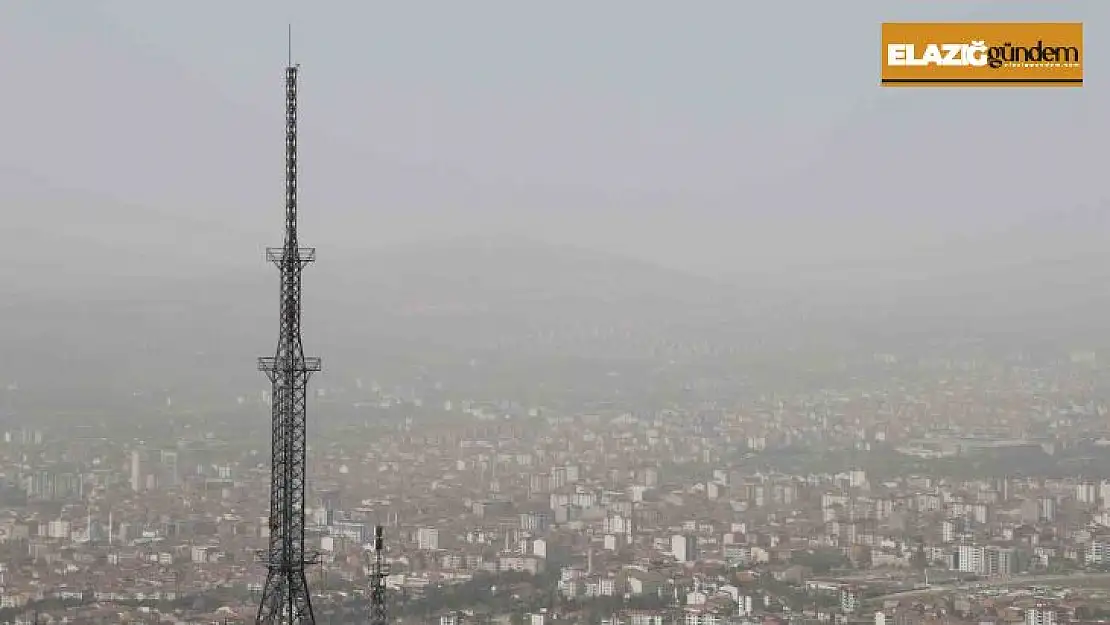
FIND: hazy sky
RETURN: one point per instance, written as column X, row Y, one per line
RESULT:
column 715, row 135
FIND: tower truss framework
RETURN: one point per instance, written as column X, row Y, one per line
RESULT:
column 285, row 596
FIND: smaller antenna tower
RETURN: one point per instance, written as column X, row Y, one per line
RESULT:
column 379, row 570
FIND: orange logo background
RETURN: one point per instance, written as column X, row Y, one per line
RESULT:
column 982, row 54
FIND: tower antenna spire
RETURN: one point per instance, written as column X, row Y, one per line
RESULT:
column 285, row 595
column 289, row 46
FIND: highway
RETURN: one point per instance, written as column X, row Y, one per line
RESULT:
column 1010, row 582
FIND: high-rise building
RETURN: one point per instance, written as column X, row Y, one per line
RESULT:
column 137, row 482
column 330, row 502
column 989, row 560
column 558, row 477
column 1002, row 487
column 1047, row 509
column 684, row 547
column 571, row 473
column 427, row 539
column 1086, row 492
column 1104, row 494
column 1040, row 614
column 1097, row 552
column 849, row 599
column 947, row 531
column 170, row 473
column 1000, row 562
column 971, row 559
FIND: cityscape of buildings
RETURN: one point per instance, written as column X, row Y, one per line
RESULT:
column 552, row 436
column 894, row 501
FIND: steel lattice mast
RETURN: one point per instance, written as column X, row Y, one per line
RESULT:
column 285, row 595
column 379, row 570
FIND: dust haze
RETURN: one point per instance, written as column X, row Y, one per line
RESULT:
column 142, row 174
column 627, row 309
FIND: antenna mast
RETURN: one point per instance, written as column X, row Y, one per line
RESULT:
column 379, row 570
column 285, row 596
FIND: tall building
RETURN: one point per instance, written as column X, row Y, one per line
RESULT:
column 1002, row 487
column 558, row 478
column 684, row 547
column 1040, row 614
column 571, row 473
column 330, row 502
column 1086, row 492
column 427, row 539
column 136, row 470
column 1047, row 509
column 971, row 559
column 990, row 560
column 999, row 562
column 948, row 531
column 849, row 599
column 170, row 474
column 1098, row 552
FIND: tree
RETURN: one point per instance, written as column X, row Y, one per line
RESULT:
column 918, row 560
column 820, row 560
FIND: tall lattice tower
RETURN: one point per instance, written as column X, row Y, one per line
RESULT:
column 285, row 595
column 379, row 570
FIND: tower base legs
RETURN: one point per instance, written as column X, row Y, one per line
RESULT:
column 285, row 599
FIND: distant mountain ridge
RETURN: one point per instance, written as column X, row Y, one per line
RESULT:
column 470, row 294
column 371, row 306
